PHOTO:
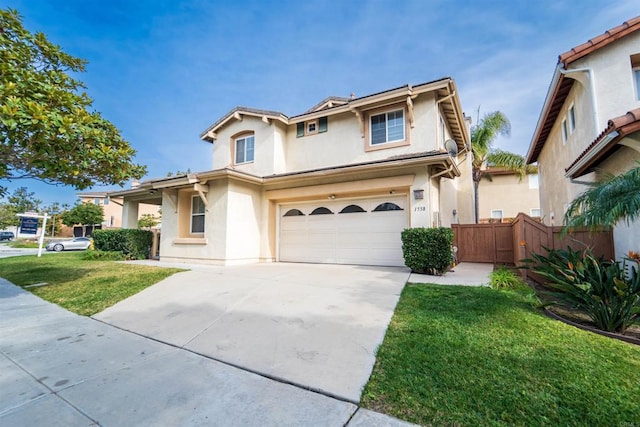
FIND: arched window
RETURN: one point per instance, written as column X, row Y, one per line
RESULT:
column 321, row 211
column 352, row 209
column 294, row 212
column 387, row 206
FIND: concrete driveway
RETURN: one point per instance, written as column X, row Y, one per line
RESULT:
column 316, row 326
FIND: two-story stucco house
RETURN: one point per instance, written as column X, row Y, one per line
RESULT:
column 503, row 197
column 337, row 184
column 584, row 130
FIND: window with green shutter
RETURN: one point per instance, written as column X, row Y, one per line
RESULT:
column 322, row 124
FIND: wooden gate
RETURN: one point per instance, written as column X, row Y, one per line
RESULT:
column 484, row 243
column 510, row 243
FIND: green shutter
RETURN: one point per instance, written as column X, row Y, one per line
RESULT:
column 322, row 124
column 300, row 130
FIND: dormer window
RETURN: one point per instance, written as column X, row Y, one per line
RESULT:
column 245, row 149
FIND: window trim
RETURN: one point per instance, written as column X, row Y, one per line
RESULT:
column 390, row 144
column 571, row 114
column 236, row 139
column 564, row 130
column 192, row 215
column 308, row 124
column 497, row 210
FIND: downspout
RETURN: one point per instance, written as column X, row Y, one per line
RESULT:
column 592, row 90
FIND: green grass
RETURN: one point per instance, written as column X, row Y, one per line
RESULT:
column 85, row 287
column 477, row 356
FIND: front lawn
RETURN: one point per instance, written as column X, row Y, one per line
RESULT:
column 84, row 287
column 23, row 244
column 477, row 356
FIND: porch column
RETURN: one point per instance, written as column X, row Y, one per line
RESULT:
column 130, row 214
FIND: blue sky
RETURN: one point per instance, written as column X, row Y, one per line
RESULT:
column 162, row 71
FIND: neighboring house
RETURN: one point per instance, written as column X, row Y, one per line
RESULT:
column 504, row 196
column 589, row 124
column 337, row 184
column 112, row 208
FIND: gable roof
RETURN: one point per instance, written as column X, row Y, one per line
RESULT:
column 561, row 85
column 445, row 89
column 605, row 144
column 328, row 102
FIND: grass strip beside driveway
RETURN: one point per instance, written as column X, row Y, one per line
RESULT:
column 477, row 356
column 82, row 286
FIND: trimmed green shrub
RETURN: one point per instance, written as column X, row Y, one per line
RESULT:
column 97, row 255
column 607, row 291
column 132, row 243
column 504, row 278
column 427, row 250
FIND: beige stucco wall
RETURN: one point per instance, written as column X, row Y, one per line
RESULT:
column 615, row 94
column 507, row 193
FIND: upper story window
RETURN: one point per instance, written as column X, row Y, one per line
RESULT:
column 387, row 127
column 572, row 118
column 534, row 181
column 312, row 127
column 106, row 201
column 96, row 201
column 635, row 69
column 245, row 148
column 565, row 133
column 197, row 215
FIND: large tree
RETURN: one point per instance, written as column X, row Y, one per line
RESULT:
column 83, row 214
column 482, row 137
column 47, row 130
column 611, row 200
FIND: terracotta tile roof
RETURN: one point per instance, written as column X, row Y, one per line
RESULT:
column 561, row 86
column 600, row 41
column 623, row 125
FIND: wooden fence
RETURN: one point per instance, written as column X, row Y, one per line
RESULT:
column 511, row 243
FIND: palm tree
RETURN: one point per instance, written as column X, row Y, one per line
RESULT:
column 482, row 137
column 607, row 202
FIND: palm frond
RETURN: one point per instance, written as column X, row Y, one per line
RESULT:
column 511, row 161
column 614, row 199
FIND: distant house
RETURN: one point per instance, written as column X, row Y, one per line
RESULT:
column 112, row 207
column 504, row 196
column 590, row 123
column 336, row 184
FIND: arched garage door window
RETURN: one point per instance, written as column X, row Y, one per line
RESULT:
column 321, row 211
column 294, row 212
column 352, row 209
column 387, row 206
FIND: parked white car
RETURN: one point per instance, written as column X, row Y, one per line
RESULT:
column 75, row 244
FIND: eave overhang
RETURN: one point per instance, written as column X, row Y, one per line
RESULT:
column 445, row 89
column 561, row 85
column 620, row 131
column 439, row 163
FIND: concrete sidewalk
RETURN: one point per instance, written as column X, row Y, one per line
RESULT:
column 60, row 369
column 465, row 274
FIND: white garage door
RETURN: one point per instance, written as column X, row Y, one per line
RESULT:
column 365, row 231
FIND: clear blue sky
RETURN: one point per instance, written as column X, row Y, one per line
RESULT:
column 162, row 71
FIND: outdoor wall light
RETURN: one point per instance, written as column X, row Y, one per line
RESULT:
column 418, row 194
column 455, row 212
